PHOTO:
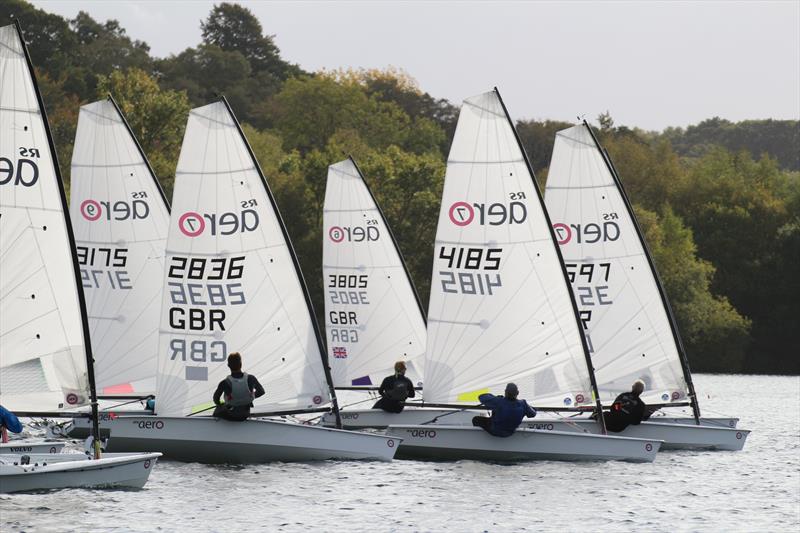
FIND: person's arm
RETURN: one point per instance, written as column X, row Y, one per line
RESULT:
column 530, row 412
column 10, row 421
column 488, row 400
column 411, row 392
column 219, row 391
column 384, row 386
column 255, row 386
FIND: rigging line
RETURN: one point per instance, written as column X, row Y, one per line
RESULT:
column 128, row 402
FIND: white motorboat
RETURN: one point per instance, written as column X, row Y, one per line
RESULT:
column 37, row 472
column 501, row 308
column 628, row 322
column 24, row 446
column 232, row 282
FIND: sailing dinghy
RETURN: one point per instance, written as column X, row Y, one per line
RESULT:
column 45, row 356
column 233, row 283
column 501, row 308
column 628, row 322
column 373, row 315
column 120, row 218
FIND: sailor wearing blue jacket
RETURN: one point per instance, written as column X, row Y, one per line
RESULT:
column 10, row 421
column 507, row 412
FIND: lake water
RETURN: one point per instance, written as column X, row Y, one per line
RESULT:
column 757, row 489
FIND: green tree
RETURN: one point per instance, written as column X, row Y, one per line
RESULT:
column 234, row 28
column 714, row 334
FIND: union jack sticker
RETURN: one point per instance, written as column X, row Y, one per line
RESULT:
column 340, row 352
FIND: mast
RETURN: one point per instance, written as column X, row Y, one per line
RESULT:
column 687, row 374
column 73, row 250
column 394, row 241
column 321, row 346
column 590, row 368
column 141, row 152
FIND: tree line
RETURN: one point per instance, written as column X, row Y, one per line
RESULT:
column 719, row 202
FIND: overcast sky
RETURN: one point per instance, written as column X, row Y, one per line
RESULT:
column 651, row 64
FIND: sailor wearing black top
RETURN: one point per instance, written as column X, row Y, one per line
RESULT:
column 239, row 390
column 628, row 409
column 394, row 390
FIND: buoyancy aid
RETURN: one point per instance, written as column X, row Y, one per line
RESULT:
column 240, row 394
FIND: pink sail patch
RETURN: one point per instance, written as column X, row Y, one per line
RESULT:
column 124, row 388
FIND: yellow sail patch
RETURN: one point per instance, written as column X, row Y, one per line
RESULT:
column 471, row 396
column 202, row 407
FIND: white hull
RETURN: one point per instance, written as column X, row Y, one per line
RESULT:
column 20, row 447
column 80, row 428
column 211, row 440
column 721, row 422
column 462, row 442
column 678, row 436
column 413, row 416
column 67, row 470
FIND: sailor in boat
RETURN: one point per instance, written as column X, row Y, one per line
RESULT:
column 239, row 389
column 10, row 422
column 507, row 412
column 394, row 390
column 628, row 408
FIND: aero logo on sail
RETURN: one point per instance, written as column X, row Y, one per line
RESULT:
column 495, row 214
column 586, row 233
column 25, row 172
column 137, row 209
column 355, row 234
column 193, row 224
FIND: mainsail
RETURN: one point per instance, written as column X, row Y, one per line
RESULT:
column 372, row 313
column 232, row 283
column 500, row 307
column 120, row 218
column 43, row 334
column 626, row 321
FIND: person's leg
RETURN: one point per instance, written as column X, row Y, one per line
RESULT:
column 616, row 422
column 482, row 422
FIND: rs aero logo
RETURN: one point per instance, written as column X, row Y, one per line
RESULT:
column 194, row 224
column 423, row 433
column 23, row 172
column 150, row 424
column 495, row 214
column 338, row 234
column 589, row 233
column 136, row 209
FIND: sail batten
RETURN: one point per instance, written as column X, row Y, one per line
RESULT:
column 500, row 308
column 120, row 219
column 373, row 316
column 44, row 355
column 231, row 282
column 622, row 310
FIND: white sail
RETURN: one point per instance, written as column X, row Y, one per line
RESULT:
column 42, row 354
column 231, row 283
column 627, row 326
column 500, row 308
column 120, row 220
column 372, row 315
